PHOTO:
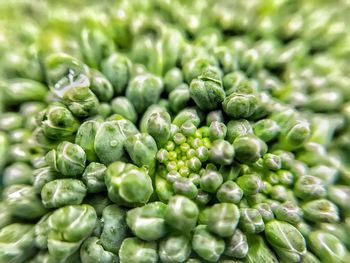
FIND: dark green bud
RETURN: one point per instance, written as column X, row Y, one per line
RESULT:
column 143, row 91
column 288, row 212
column 184, row 186
column 85, row 138
column 92, row 251
column 265, row 211
column 181, row 213
column 229, row 192
column 101, row 86
column 174, row 248
column 221, row 152
column 250, row 184
column 142, row 150
column 114, row 229
column 272, row 161
column 179, row 97
column 128, row 184
column 94, row 177
column 207, row 91
column 237, row 245
column 207, row 245
column 58, row 122
column 147, row 222
column 327, row 247
column 223, row 219
column 117, row 69
column 63, row 192
column 249, row 148
column 239, row 105
column 158, row 126
column 217, row 130
column 320, row 210
column 251, row 221
column 69, row 159
column 110, row 139
column 286, row 240
column 125, row 108
column 309, row 187
column 146, row 251
column 266, row 129
column 211, row 181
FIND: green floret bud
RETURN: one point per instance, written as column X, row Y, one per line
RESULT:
column 211, row 181
column 266, row 129
column 237, row 245
column 188, row 129
column 184, row 186
column 229, row 192
column 174, row 248
column 217, row 130
column 223, row 219
column 340, row 195
column 63, row 192
column 92, row 251
column 16, row 242
column 158, row 126
column 214, row 116
column 128, row 184
column 320, row 210
column 110, row 139
column 11, row 121
column 41, row 176
column 181, row 213
column 279, row 193
column 172, row 79
column 202, row 153
column 207, row 245
column 58, row 122
column 146, row 251
column 296, row 135
column 237, row 128
column 85, row 138
column 286, row 240
column 68, row 227
column 251, row 221
column 207, row 91
column 249, row 148
column 288, row 212
column 101, row 86
column 147, row 222
column 258, row 250
column 94, row 177
column 23, row 202
column 327, row 247
column 265, row 211
column 179, row 97
column 143, row 91
column 68, row 159
column 123, row 107
column 117, row 68
column 114, row 228
column 250, row 184
column 19, row 90
column 239, row 105
column 17, row 173
column 163, row 189
column 187, row 114
column 309, row 187
column 142, row 150
column 202, row 198
column 80, row 100
column 272, row 161
column 221, row 152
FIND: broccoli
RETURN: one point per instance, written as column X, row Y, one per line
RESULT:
column 174, row 131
